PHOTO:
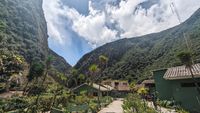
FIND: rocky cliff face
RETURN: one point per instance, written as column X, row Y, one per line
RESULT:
column 23, row 30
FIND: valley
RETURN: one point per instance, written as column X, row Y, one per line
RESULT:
column 127, row 73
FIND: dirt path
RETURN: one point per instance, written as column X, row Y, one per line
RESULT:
column 114, row 107
column 161, row 109
column 10, row 94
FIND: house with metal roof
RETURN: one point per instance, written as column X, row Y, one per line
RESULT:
column 92, row 89
column 176, row 84
column 150, row 84
column 120, row 87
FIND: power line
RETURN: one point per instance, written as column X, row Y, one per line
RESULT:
column 174, row 10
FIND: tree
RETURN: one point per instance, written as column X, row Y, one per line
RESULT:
column 72, row 78
column 36, row 71
column 93, row 69
column 47, row 68
column 81, row 78
column 58, row 91
column 186, row 58
column 103, row 60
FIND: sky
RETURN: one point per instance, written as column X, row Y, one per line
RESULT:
column 76, row 27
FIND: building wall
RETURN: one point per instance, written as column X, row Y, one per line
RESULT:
column 163, row 87
column 187, row 97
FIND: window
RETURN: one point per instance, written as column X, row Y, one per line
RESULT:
column 188, row 84
column 150, row 85
column 125, row 84
column 107, row 83
column 95, row 94
column 116, row 83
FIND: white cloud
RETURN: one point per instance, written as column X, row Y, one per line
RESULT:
column 56, row 28
column 157, row 18
column 114, row 22
column 92, row 27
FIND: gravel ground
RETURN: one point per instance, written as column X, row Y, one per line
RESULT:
column 114, row 107
column 10, row 94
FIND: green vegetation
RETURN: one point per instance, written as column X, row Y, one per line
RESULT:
column 11, row 67
column 134, row 58
column 41, row 94
column 23, row 32
column 133, row 104
column 61, row 101
column 171, row 105
column 45, row 81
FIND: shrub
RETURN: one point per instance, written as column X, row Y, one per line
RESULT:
column 133, row 104
column 36, row 89
column 14, row 104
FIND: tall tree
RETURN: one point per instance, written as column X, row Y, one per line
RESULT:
column 47, row 68
column 93, row 69
column 81, row 78
column 36, row 71
column 72, row 79
column 103, row 60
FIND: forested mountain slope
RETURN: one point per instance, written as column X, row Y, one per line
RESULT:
column 23, row 31
column 135, row 57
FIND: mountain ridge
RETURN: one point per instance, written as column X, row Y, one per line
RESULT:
column 147, row 50
column 23, row 31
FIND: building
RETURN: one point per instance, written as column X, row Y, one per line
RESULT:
column 120, row 87
column 150, row 84
column 92, row 90
column 177, row 84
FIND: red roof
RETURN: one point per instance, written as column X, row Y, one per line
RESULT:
column 181, row 72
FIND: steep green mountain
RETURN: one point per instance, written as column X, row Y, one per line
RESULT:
column 135, row 57
column 60, row 63
column 23, row 31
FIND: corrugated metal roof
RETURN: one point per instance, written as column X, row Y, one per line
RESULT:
column 148, row 82
column 181, row 72
column 108, row 87
column 96, row 86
